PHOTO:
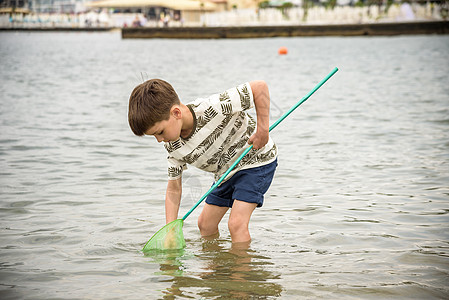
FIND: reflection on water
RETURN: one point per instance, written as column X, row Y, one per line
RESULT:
column 235, row 273
column 170, row 261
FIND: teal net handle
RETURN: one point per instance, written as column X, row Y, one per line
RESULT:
column 249, row 148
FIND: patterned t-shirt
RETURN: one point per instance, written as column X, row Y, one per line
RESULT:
column 220, row 135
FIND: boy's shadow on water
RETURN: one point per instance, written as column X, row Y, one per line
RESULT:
column 235, row 273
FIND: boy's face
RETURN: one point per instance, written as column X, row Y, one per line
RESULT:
column 166, row 130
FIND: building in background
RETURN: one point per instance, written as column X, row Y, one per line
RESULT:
column 57, row 6
column 44, row 6
column 77, row 6
column 14, row 6
column 156, row 11
column 213, row 13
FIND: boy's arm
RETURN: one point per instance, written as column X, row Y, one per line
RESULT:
column 262, row 104
column 173, row 199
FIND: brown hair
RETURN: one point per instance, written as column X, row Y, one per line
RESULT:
column 149, row 103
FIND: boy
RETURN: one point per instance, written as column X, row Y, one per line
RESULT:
column 210, row 134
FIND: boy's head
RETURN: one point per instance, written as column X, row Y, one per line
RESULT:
column 149, row 103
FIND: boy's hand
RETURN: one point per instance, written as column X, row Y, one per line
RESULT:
column 259, row 139
column 173, row 199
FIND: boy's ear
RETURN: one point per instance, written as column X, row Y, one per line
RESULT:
column 176, row 112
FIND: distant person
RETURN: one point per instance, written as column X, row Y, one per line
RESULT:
column 161, row 18
column 136, row 22
column 407, row 12
column 143, row 21
column 210, row 134
column 166, row 20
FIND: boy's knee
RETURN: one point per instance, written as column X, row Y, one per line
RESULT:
column 205, row 227
column 201, row 222
column 236, row 225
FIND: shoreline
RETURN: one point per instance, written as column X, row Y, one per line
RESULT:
column 235, row 32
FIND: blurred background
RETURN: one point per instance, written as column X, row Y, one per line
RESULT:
column 154, row 13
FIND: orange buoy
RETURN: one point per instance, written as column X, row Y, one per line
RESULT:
column 282, row 51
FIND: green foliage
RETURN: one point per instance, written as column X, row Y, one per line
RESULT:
column 444, row 10
column 360, row 3
column 264, row 4
column 331, row 4
column 286, row 5
column 388, row 5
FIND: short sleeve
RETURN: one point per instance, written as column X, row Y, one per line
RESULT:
column 239, row 98
column 175, row 168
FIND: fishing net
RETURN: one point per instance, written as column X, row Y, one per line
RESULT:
column 168, row 237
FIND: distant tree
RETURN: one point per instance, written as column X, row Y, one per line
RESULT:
column 444, row 9
column 264, row 4
column 285, row 7
column 331, row 4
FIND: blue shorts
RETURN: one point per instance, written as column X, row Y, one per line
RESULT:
column 247, row 185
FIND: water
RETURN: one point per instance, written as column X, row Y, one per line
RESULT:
column 358, row 208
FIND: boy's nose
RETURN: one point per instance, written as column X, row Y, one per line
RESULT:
column 159, row 139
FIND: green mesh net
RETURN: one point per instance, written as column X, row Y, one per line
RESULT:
column 168, row 237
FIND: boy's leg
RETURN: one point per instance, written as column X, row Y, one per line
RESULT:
column 239, row 221
column 209, row 219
